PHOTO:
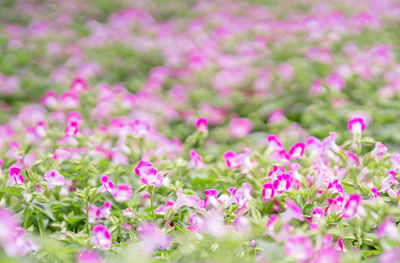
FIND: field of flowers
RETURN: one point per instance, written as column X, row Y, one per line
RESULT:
column 199, row 131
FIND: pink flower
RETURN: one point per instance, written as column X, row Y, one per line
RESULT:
column 253, row 243
column 66, row 188
column 128, row 213
column 379, row 150
column 277, row 116
column 335, row 82
column 101, row 236
column 108, row 185
column 340, row 244
column 49, row 99
column 327, row 255
column 317, row 216
column 72, row 129
column 274, row 143
column 196, row 160
column 88, row 256
column 140, row 128
column 356, row 125
column 390, row 256
column 268, row 192
column 122, row 192
column 74, row 116
column 297, row 150
column 16, row 177
column 148, row 174
column 7, row 224
column 299, row 247
column 39, row 189
column 92, row 213
column 78, row 85
column 152, row 238
column 395, row 160
column 282, row 183
column 202, row 124
column 232, row 160
column 352, row 159
column 181, row 200
column 19, row 244
column 104, row 211
column 375, row 192
column 53, row 179
column 62, row 154
column 286, row 71
column 389, row 181
column 329, row 146
column 317, row 87
column 69, row 100
column 14, row 239
column 211, row 198
column 293, row 211
column 145, row 168
column 351, row 207
column 240, row 127
column 212, row 224
column 270, row 226
column 388, row 229
column 163, row 209
column 127, row 226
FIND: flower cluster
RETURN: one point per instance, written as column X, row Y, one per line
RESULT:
column 231, row 148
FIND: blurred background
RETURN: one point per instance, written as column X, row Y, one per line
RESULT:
column 296, row 68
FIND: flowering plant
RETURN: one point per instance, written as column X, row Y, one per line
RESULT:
column 231, row 148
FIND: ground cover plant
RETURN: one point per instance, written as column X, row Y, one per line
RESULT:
column 199, row 131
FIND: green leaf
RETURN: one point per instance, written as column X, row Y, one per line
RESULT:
column 74, row 219
column 12, row 190
column 44, row 208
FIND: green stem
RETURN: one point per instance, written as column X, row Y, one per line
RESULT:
column 87, row 214
column 152, row 190
column 40, row 223
column 25, row 215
